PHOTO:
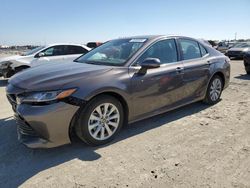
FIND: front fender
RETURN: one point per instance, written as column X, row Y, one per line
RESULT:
column 16, row 63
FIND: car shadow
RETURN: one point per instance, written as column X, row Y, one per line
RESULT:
column 18, row 163
column 236, row 58
column 3, row 82
column 243, row 77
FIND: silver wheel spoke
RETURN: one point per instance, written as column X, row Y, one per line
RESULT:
column 108, row 129
column 97, row 131
column 93, row 117
column 94, row 125
column 113, row 124
column 106, row 105
column 111, row 110
column 113, row 116
column 102, row 133
column 98, row 110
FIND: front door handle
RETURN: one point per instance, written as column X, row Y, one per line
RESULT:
column 179, row 70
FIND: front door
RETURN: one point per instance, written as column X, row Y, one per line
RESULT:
column 159, row 88
column 51, row 54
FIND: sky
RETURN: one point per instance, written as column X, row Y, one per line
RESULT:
column 39, row 22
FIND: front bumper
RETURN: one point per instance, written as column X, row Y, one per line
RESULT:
column 43, row 126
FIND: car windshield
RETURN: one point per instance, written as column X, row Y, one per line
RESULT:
column 114, row 53
column 242, row 45
column 33, row 51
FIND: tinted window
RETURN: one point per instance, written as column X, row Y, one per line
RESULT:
column 190, row 49
column 54, row 51
column 75, row 50
column 164, row 50
column 203, row 51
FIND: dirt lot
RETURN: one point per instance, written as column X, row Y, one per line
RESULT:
column 195, row 146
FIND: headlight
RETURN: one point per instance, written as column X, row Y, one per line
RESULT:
column 246, row 50
column 45, row 96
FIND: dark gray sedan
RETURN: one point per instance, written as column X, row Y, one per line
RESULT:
column 122, row 81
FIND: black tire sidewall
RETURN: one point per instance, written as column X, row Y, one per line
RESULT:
column 83, row 118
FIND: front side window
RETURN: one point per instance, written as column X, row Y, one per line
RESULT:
column 54, row 51
column 190, row 49
column 164, row 50
column 114, row 53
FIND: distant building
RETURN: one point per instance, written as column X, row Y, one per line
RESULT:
column 4, row 47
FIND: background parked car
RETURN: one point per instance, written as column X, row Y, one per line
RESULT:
column 224, row 46
column 40, row 55
column 247, row 62
column 238, row 50
column 93, row 44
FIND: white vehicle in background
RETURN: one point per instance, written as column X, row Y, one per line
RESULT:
column 41, row 55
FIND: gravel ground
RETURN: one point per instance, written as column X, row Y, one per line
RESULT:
column 194, row 146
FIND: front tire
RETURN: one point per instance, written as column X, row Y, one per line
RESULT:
column 214, row 90
column 8, row 74
column 100, row 120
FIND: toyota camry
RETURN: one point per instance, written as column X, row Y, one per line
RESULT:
column 122, row 81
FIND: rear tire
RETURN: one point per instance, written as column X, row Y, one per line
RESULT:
column 214, row 90
column 100, row 120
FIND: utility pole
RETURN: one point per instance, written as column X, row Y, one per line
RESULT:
column 235, row 36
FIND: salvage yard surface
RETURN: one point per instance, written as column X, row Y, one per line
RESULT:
column 194, row 146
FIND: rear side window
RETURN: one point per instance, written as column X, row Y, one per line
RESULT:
column 75, row 50
column 164, row 50
column 203, row 50
column 190, row 49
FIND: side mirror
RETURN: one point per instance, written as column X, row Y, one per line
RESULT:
column 41, row 54
column 149, row 63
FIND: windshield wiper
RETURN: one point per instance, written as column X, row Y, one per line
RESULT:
column 93, row 62
column 99, row 63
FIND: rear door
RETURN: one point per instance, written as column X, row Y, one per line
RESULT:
column 73, row 51
column 196, row 68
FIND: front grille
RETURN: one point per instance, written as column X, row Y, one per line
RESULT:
column 234, row 52
column 23, row 127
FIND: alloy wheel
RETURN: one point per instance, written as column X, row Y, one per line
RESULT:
column 215, row 89
column 103, row 121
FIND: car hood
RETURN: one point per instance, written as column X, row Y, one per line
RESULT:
column 16, row 58
column 9, row 58
column 55, row 76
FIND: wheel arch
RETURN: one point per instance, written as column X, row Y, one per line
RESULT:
column 220, row 74
column 116, row 95
column 21, row 67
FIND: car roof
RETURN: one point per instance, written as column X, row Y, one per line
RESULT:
column 74, row 44
column 153, row 37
